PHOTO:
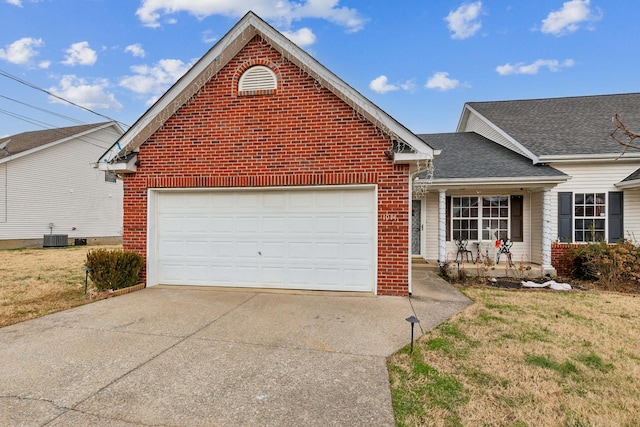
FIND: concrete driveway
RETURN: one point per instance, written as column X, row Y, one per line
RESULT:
column 176, row 356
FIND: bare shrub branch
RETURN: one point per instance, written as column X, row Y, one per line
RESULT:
column 623, row 135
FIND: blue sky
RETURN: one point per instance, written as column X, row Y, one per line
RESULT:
column 420, row 61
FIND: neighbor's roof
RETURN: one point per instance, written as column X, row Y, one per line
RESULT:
column 556, row 127
column 470, row 157
column 225, row 50
column 26, row 141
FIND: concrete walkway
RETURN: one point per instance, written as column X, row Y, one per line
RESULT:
column 176, row 356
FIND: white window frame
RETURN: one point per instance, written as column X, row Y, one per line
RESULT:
column 600, row 212
column 480, row 218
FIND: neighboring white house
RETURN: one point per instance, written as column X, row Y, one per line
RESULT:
column 48, row 185
column 540, row 172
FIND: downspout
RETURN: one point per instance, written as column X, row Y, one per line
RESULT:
column 530, row 228
column 410, row 258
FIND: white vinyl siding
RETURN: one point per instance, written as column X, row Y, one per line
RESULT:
column 430, row 234
column 59, row 185
column 535, row 211
column 632, row 215
column 479, row 126
column 3, row 193
column 595, row 178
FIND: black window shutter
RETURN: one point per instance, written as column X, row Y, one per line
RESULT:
column 565, row 216
column 448, row 217
column 616, row 217
column 517, row 219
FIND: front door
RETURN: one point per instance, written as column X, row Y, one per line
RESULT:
column 416, row 226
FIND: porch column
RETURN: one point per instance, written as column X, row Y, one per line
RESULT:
column 546, row 231
column 442, row 226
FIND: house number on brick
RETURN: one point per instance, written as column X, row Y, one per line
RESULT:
column 389, row 217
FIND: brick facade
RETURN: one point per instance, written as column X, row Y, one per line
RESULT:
column 558, row 251
column 298, row 135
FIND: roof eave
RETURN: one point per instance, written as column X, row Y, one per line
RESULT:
column 129, row 165
column 588, row 158
column 410, row 158
column 628, row 185
column 496, row 181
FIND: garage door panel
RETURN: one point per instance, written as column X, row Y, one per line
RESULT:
column 301, row 225
column 197, row 224
column 295, row 239
column 247, row 225
column 197, row 249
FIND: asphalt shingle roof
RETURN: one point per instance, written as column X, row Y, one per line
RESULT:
column 564, row 126
column 470, row 155
column 634, row 176
column 33, row 139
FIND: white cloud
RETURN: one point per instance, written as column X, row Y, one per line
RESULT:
column 80, row 54
column 154, row 80
column 303, row 37
column 15, row 2
column 44, row 64
column 21, row 51
column 409, row 86
column 534, row 68
column 282, row 11
column 463, row 22
column 442, row 81
column 569, row 18
column 90, row 95
column 381, row 85
column 135, row 50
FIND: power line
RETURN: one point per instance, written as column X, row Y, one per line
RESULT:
column 33, row 86
column 62, row 116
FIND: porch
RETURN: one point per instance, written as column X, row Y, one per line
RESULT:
column 519, row 269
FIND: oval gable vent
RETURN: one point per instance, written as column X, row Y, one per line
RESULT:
column 256, row 78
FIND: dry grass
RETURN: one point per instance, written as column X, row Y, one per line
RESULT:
column 525, row 358
column 36, row 282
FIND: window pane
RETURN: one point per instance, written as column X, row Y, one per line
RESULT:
column 579, row 199
column 579, row 210
column 588, row 199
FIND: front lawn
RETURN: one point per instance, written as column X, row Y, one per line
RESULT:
column 36, row 282
column 525, row 358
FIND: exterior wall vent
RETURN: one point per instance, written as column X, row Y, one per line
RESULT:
column 258, row 78
column 55, row 240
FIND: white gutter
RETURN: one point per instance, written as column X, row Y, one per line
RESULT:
column 480, row 182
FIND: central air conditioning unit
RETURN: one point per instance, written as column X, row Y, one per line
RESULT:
column 55, row 240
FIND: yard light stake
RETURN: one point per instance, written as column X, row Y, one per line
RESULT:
column 86, row 278
column 413, row 320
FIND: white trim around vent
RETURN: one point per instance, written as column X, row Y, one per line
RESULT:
column 257, row 78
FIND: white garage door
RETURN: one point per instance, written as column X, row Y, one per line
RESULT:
column 321, row 239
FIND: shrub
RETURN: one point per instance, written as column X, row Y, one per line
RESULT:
column 113, row 269
column 611, row 266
